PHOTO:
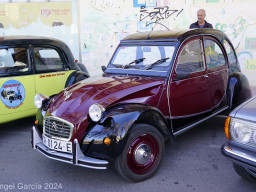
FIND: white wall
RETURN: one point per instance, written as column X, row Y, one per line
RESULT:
column 104, row 22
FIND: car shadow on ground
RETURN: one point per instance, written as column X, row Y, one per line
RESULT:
column 23, row 124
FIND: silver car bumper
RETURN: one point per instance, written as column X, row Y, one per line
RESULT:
column 239, row 155
column 76, row 158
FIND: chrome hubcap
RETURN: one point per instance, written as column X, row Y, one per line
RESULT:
column 142, row 154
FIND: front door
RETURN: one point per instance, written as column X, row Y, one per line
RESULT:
column 51, row 72
column 189, row 93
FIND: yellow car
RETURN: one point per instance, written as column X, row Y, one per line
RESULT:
column 31, row 65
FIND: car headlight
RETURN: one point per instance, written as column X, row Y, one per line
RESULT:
column 240, row 130
column 38, row 100
column 96, row 111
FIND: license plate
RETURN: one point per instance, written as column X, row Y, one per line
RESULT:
column 57, row 145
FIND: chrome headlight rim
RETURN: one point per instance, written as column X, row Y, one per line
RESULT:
column 38, row 100
column 240, row 130
column 96, row 111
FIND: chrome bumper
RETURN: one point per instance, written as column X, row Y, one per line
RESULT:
column 77, row 158
column 240, row 155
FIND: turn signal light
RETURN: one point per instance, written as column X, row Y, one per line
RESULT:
column 106, row 141
column 227, row 127
column 36, row 122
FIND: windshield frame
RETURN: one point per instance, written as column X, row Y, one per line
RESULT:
column 144, row 72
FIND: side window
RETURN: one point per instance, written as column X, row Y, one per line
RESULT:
column 47, row 59
column 230, row 53
column 190, row 58
column 13, row 61
column 214, row 55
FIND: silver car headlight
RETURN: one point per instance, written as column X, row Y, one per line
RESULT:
column 240, row 130
column 96, row 111
column 38, row 100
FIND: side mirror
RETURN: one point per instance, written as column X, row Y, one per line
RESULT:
column 103, row 68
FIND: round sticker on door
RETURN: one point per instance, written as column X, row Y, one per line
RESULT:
column 12, row 93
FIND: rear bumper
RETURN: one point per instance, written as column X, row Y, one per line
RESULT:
column 240, row 156
column 77, row 158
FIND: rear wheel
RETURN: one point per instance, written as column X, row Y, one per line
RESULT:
column 243, row 172
column 142, row 154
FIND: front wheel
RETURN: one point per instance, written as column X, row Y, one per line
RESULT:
column 142, row 154
column 243, row 172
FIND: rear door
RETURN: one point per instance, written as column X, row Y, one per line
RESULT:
column 217, row 70
column 189, row 93
column 17, row 87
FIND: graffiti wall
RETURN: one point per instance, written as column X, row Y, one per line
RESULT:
column 104, row 22
column 52, row 19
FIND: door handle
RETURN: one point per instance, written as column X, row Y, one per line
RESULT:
column 206, row 76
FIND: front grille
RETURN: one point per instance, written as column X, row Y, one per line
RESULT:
column 58, row 128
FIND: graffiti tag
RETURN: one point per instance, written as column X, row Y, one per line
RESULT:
column 158, row 13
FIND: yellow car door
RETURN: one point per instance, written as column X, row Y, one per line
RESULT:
column 51, row 73
column 17, row 87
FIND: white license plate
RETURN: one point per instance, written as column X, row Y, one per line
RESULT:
column 57, row 145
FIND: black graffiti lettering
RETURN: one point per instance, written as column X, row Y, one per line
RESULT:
column 159, row 13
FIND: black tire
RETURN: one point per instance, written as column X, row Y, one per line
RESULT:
column 243, row 172
column 148, row 143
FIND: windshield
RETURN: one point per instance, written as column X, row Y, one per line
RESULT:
column 149, row 60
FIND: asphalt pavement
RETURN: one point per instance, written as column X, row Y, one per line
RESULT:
column 195, row 163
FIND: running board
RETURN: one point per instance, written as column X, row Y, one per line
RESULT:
column 198, row 122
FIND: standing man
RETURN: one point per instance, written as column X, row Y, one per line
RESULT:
column 201, row 23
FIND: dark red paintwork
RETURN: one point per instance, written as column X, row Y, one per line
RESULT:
column 106, row 90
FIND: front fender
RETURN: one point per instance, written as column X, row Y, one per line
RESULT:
column 116, row 125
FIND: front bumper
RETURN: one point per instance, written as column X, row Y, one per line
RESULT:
column 77, row 158
column 240, row 156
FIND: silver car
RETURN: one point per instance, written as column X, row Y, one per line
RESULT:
column 240, row 129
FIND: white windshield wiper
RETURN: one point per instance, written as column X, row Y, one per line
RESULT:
column 136, row 61
column 149, row 66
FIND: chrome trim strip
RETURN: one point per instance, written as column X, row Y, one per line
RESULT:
column 77, row 158
column 197, row 123
column 232, row 150
column 191, row 115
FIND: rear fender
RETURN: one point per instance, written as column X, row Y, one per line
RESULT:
column 238, row 89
